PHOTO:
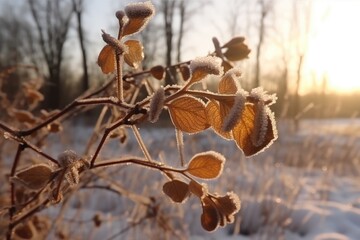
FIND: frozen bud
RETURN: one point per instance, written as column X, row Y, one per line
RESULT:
column 119, row 15
column 140, row 10
column 235, row 112
column 156, row 105
column 260, row 124
column 67, row 158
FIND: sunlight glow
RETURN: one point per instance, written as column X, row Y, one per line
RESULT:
column 334, row 47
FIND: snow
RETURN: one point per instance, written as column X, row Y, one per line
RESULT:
column 315, row 196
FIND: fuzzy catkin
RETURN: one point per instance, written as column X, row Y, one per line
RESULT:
column 156, row 105
column 140, row 10
column 235, row 113
column 260, row 124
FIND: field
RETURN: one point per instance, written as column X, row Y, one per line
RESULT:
column 305, row 186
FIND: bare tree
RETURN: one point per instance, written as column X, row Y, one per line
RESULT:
column 78, row 6
column 52, row 20
column 265, row 7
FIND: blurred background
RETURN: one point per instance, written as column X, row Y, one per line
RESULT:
column 306, row 51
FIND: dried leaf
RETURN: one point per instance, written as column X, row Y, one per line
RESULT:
column 188, row 114
column 234, row 41
column 34, row 177
column 206, row 165
column 135, row 54
column 199, row 190
column 243, row 131
column 158, row 72
column 226, row 65
column 23, row 116
column 25, row 231
column 228, row 83
column 210, row 218
column 177, row 190
column 237, row 52
column 215, row 119
column 33, row 95
column 54, row 127
column 139, row 15
column 228, row 204
column 106, row 59
column 185, row 72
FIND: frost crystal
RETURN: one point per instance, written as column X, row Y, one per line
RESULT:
column 208, row 64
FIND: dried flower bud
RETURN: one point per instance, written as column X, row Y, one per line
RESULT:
column 156, row 105
column 119, row 15
column 139, row 10
column 67, row 158
column 235, row 112
column 260, row 124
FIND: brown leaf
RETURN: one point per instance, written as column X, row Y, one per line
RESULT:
column 34, row 177
column 188, row 114
column 23, row 116
column 177, row 190
column 228, row 84
column 243, row 131
column 237, row 52
column 228, row 204
column 33, row 95
column 206, row 165
column 185, row 72
column 233, row 42
column 25, row 231
column 199, row 190
column 158, row 72
column 210, row 218
column 106, row 59
column 54, row 127
column 215, row 119
column 135, row 54
column 139, row 15
column 226, row 65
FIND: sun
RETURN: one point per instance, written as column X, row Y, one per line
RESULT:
column 334, row 47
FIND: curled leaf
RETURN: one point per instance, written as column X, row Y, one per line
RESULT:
column 34, row 177
column 177, row 190
column 135, row 54
column 237, row 52
column 245, row 128
column 233, row 42
column 228, row 204
column 106, row 59
column 199, row 190
column 228, row 83
column 210, row 219
column 188, row 114
column 25, row 231
column 206, row 165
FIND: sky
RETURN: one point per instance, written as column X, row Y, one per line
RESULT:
column 333, row 47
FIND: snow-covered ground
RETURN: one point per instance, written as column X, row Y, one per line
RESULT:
column 305, row 186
